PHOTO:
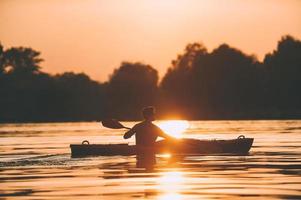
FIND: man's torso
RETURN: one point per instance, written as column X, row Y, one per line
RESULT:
column 146, row 134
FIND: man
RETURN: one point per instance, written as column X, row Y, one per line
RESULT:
column 147, row 132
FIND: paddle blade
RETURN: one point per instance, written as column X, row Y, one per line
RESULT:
column 112, row 123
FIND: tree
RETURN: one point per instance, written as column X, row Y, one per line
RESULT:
column 283, row 67
column 22, row 60
column 213, row 84
column 131, row 87
column 176, row 85
column 76, row 97
column 227, row 80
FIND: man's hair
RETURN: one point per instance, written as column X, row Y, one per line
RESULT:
column 148, row 111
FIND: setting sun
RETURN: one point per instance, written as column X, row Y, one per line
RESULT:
column 174, row 128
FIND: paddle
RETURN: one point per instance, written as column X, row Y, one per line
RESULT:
column 113, row 123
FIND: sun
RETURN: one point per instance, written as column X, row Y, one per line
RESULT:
column 174, row 128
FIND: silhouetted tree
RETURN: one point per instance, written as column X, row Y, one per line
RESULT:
column 77, row 97
column 212, row 84
column 28, row 94
column 20, row 72
column 177, row 91
column 227, row 82
column 22, row 60
column 222, row 84
column 283, row 69
column 131, row 87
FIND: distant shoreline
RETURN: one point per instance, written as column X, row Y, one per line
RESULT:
column 222, row 84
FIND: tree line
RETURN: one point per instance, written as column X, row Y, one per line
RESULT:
column 225, row 83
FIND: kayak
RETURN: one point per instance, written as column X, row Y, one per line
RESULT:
column 239, row 146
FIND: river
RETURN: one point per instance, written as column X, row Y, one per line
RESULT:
column 35, row 163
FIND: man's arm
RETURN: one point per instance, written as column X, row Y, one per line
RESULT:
column 130, row 133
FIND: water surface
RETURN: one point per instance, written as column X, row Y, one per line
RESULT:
column 35, row 163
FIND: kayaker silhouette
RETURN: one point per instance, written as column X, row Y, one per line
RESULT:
column 146, row 134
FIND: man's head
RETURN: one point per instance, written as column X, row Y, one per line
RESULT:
column 149, row 113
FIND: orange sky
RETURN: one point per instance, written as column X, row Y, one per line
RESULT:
column 95, row 36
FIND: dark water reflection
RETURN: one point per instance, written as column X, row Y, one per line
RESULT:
column 37, row 165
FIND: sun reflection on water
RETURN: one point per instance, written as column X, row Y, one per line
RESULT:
column 35, row 164
column 170, row 184
column 170, row 196
column 174, row 128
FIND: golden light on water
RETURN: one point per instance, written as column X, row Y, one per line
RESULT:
column 174, row 128
column 169, row 196
column 171, row 183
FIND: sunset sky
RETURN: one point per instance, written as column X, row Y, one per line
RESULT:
column 95, row 36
